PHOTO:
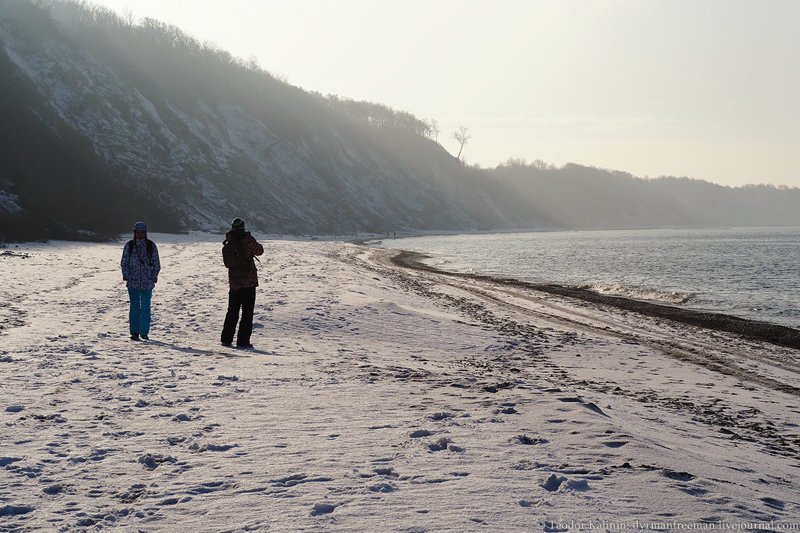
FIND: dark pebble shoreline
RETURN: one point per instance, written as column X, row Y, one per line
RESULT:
column 751, row 329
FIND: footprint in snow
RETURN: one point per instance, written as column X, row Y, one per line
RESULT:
column 14, row 510
column 694, row 491
column 678, row 476
column 497, row 387
column 198, row 448
column 153, row 461
column 524, row 439
column 53, row 489
column 133, row 493
column 577, row 484
column 553, row 483
column 297, row 479
column 439, row 445
column 571, row 399
column 589, row 405
column 322, row 508
column 389, row 472
column 209, row 487
column 775, row 504
column 383, row 487
column 444, row 444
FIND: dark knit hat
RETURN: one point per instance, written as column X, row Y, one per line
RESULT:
column 237, row 223
column 140, row 226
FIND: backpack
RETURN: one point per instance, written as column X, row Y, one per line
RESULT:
column 235, row 257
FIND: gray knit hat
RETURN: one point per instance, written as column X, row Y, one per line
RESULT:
column 237, row 223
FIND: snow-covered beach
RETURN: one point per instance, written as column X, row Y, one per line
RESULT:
column 377, row 398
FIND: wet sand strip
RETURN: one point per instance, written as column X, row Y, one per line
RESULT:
column 751, row 329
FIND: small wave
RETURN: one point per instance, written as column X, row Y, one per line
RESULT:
column 640, row 293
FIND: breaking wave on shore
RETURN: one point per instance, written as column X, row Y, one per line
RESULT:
column 640, row 293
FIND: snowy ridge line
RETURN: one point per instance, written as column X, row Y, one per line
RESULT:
column 751, row 329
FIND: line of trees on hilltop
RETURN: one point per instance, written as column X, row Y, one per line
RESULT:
column 161, row 59
column 166, row 64
column 576, row 196
column 379, row 115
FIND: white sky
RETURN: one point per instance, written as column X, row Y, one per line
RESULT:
column 701, row 88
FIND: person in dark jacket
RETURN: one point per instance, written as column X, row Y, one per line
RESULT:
column 140, row 267
column 243, row 283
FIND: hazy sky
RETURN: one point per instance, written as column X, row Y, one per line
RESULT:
column 701, row 88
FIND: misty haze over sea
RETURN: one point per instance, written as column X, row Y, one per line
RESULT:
column 745, row 272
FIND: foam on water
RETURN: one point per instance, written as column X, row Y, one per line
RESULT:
column 640, row 293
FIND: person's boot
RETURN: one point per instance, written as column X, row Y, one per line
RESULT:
column 134, row 336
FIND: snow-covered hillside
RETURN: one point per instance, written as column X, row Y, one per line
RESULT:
column 376, row 399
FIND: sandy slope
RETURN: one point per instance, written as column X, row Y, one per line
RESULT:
column 378, row 398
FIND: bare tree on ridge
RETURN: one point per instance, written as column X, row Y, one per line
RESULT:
column 462, row 138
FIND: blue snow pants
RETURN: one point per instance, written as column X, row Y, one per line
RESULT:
column 139, row 315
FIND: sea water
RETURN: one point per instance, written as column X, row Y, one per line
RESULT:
column 752, row 273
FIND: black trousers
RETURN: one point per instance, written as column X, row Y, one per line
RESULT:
column 246, row 300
